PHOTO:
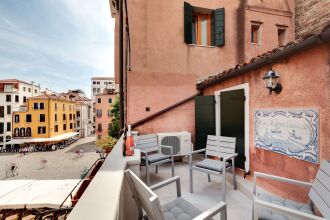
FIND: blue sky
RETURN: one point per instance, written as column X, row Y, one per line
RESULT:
column 60, row 44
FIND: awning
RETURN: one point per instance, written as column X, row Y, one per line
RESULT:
column 39, row 140
column 18, row 194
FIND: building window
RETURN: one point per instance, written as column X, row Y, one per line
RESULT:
column 63, row 106
column 42, row 118
column 8, row 98
column 74, row 116
column 110, row 100
column 24, row 89
column 16, row 132
column 70, row 116
column 71, row 125
column 98, row 82
column 24, row 99
column 99, row 127
column 70, row 107
column 28, row 118
column 56, row 128
column 255, row 34
column 22, row 132
column 35, row 106
column 109, row 126
column 1, row 127
column 99, row 112
column 42, row 130
column 8, row 126
column 16, row 118
column 78, row 124
column 55, row 117
column 28, row 132
column 2, row 111
column 94, row 82
column 55, row 106
column 98, row 90
column 16, row 98
column 35, row 91
column 99, row 100
column 99, row 137
column 109, row 112
column 281, row 36
column 64, row 117
column 29, row 89
column 8, row 88
column 64, row 127
column 8, row 110
column 204, row 26
column 42, row 105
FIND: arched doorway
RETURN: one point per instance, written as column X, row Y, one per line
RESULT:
column 22, row 132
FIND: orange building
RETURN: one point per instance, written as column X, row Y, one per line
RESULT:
column 103, row 105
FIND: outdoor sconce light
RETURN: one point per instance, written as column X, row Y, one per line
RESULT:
column 271, row 79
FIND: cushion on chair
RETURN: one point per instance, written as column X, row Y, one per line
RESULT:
column 215, row 165
column 152, row 158
column 180, row 209
column 267, row 214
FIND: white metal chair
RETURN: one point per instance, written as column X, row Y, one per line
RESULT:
column 178, row 209
column 222, row 148
column 269, row 207
column 151, row 153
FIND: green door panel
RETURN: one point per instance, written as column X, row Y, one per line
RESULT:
column 232, row 121
column 204, row 119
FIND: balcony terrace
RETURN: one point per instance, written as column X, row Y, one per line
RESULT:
column 108, row 195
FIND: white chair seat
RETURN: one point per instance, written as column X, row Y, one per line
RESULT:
column 267, row 214
column 210, row 164
column 180, row 209
column 152, row 158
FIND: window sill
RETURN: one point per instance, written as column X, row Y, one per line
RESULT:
column 255, row 44
column 198, row 45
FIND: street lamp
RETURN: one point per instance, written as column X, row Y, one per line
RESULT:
column 271, row 79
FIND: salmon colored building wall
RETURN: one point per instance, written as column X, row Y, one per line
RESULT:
column 163, row 70
column 305, row 80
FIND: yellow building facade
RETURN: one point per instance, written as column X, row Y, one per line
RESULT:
column 46, row 116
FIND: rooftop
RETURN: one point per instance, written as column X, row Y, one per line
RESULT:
column 17, row 81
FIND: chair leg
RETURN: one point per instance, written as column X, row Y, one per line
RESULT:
column 156, row 168
column 191, row 180
column 172, row 166
column 147, row 173
column 234, row 174
column 209, row 177
column 224, row 185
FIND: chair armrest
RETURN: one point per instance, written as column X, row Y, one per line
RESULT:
column 230, row 157
column 197, row 151
column 220, row 207
column 280, row 209
column 145, row 151
column 277, row 178
column 167, row 182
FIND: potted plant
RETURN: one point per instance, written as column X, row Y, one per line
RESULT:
column 106, row 143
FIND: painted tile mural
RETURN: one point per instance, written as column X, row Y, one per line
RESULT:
column 291, row 132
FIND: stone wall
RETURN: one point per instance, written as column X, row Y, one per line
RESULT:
column 311, row 16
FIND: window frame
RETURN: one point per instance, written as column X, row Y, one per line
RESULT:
column 198, row 29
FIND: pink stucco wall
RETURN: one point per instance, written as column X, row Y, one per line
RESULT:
column 305, row 80
column 164, row 69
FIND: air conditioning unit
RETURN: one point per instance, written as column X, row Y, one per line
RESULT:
column 180, row 141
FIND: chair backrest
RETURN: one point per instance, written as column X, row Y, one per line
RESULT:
column 220, row 146
column 320, row 191
column 144, row 197
column 149, row 142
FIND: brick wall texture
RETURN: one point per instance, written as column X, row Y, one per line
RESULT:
column 311, row 16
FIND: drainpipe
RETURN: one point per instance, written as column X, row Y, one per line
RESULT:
column 121, row 68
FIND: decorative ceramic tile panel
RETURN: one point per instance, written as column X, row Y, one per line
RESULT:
column 293, row 132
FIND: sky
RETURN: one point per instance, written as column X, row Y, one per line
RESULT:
column 59, row 44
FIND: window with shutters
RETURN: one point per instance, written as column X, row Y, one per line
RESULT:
column 2, row 111
column 28, row 118
column 204, row 26
column 42, row 118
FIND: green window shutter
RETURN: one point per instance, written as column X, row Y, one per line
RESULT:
column 187, row 23
column 219, row 27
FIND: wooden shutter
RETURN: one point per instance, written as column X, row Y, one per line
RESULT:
column 219, row 27
column 204, row 120
column 187, row 23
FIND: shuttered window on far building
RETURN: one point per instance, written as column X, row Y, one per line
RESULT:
column 204, row 26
